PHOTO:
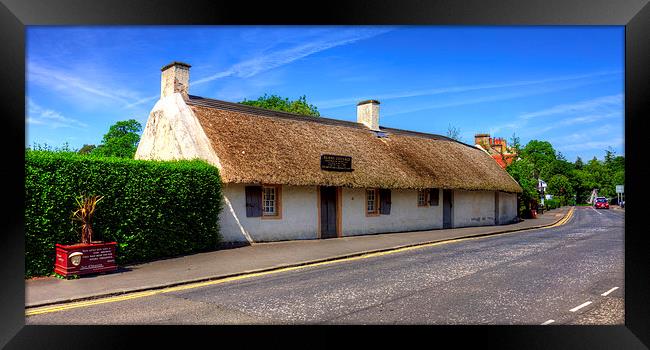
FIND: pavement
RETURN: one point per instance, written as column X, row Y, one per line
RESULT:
column 616, row 207
column 254, row 258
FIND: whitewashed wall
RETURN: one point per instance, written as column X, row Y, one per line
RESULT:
column 300, row 213
column 405, row 215
column 472, row 208
column 173, row 132
column 507, row 207
column 299, row 216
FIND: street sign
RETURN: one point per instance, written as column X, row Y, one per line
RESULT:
column 619, row 189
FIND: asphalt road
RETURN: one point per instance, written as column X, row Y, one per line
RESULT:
column 547, row 276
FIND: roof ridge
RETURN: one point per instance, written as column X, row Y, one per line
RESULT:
column 233, row 106
column 238, row 107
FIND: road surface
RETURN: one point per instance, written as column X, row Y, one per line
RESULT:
column 571, row 274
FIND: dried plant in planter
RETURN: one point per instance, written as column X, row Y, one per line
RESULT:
column 84, row 213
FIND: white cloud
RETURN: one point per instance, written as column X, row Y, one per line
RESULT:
column 142, row 100
column 585, row 111
column 270, row 60
column 582, row 119
column 82, row 89
column 577, row 107
column 500, row 97
column 456, row 89
column 37, row 115
column 617, row 142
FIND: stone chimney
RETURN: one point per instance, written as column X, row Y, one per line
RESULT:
column 368, row 114
column 175, row 78
column 483, row 140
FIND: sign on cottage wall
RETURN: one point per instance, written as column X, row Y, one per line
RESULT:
column 335, row 163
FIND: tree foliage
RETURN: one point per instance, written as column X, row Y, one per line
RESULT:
column 121, row 140
column 86, row 149
column 152, row 209
column 277, row 103
column 540, row 154
column 515, row 144
column 522, row 171
column 568, row 182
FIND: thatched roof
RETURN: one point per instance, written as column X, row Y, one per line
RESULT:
column 261, row 146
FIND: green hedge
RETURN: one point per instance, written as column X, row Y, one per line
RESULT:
column 153, row 209
column 551, row 204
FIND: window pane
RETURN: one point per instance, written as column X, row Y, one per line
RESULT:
column 371, row 201
column 422, row 198
column 269, row 201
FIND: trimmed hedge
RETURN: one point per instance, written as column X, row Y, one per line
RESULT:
column 152, row 209
column 552, row 204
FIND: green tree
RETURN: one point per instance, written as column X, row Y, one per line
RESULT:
column 515, row 143
column 121, row 140
column 540, row 154
column 583, row 183
column 567, row 180
column 579, row 164
column 557, row 166
column 277, row 103
column 560, row 187
column 522, row 171
column 86, row 149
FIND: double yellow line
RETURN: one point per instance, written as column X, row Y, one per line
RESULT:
column 74, row 305
column 564, row 220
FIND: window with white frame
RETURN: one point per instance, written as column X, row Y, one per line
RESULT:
column 269, row 201
column 422, row 198
column 371, row 201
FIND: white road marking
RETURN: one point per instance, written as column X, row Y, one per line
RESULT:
column 609, row 291
column 594, row 209
column 580, row 306
column 548, row 322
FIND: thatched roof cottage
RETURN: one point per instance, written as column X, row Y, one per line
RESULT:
column 288, row 176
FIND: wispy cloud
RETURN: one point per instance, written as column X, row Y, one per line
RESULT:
column 572, row 113
column 461, row 88
column 72, row 84
column 617, row 142
column 270, row 60
column 582, row 106
column 501, row 97
column 582, row 119
column 142, row 101
column 38, row 115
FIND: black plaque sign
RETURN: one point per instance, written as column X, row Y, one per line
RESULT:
column 335, row 163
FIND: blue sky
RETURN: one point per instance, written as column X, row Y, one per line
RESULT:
column 560, row 84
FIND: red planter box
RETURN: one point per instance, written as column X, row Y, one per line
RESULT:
column 82, row 259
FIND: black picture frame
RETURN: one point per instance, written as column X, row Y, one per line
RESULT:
column 16, row 14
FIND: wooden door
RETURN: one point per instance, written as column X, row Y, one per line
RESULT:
column 446, row 209
column 328, row 212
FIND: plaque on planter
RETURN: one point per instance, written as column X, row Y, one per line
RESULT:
column 335, row 163
column 82, row 259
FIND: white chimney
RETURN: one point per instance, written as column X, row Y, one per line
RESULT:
column 368, row 114
column 175, row 78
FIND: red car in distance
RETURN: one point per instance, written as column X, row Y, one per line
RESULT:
column 601, row 203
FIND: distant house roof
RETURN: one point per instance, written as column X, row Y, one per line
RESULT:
column 255, row 145
column 505, row 159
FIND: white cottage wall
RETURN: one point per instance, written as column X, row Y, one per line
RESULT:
column 299, row 216
column 173, row 132
column 405, row 215
column 472, row 208
column 507, row 207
